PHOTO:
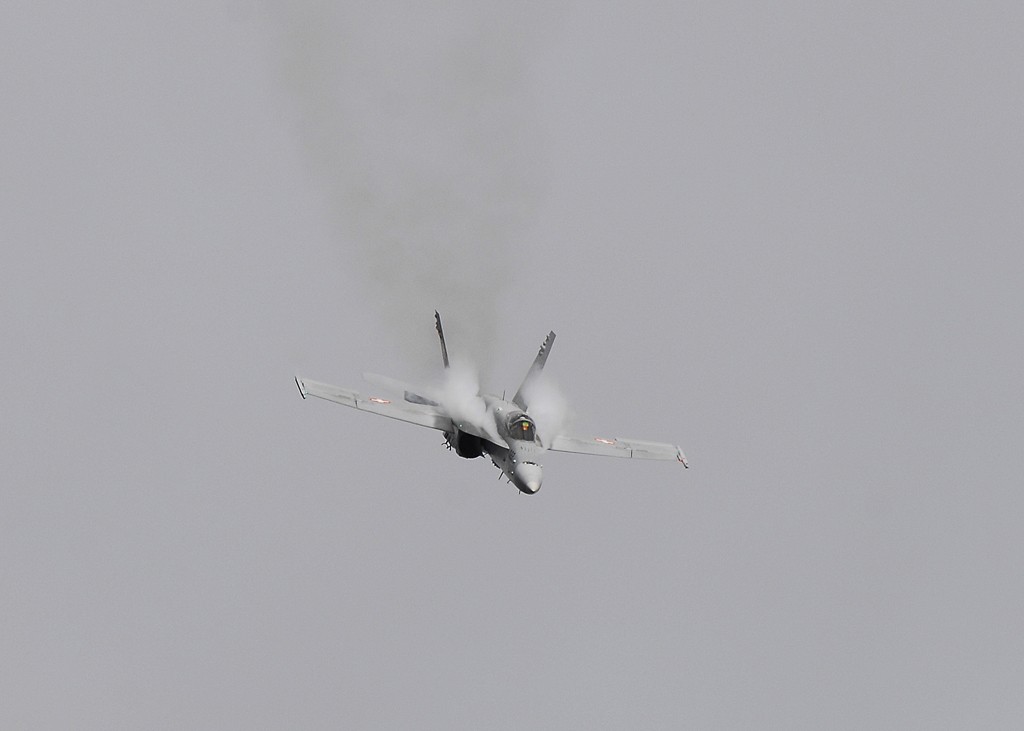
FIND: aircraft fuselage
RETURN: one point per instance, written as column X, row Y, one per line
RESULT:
column 519, row 461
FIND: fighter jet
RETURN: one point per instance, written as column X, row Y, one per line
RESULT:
column 476, row 424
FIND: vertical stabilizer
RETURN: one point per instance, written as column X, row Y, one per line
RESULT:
column 440, row 334
column 538, row 365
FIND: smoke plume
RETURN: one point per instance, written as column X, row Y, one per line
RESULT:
column 418, row 125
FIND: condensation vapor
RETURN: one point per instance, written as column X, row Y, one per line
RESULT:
column 548, row 406
column 417, row 121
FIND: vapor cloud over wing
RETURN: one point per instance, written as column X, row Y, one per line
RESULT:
column 548, row 406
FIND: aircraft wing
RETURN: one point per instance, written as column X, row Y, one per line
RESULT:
column 420, row 414
column 630, row 448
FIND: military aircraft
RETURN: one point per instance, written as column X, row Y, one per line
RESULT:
column 476, row 424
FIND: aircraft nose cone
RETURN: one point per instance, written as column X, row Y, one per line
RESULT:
column 528, row 478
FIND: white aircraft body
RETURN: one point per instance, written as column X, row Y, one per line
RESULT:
column 483, row 424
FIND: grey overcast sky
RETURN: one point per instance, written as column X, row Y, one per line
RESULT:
column 784, row 235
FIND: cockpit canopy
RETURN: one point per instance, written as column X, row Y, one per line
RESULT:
column 521, row 427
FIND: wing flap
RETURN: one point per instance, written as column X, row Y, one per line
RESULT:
column 419, row 414
column 627, row 448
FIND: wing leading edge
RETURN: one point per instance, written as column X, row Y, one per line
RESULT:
column 419, row 414
column 628, row 448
